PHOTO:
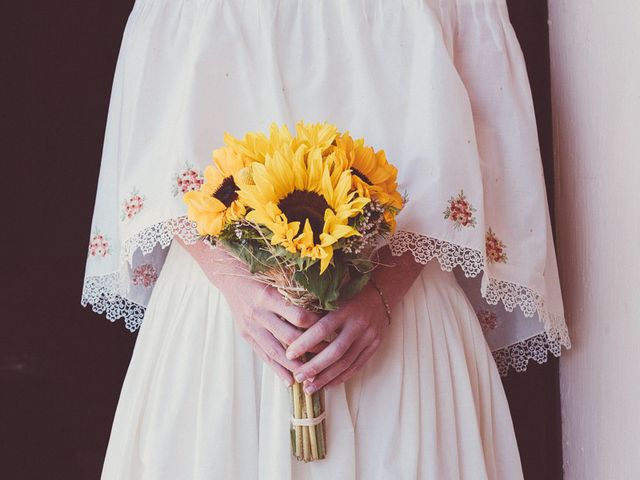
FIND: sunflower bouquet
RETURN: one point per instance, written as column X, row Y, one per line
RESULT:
column 306, row 214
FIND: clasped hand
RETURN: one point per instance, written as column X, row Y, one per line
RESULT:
column 269, row 323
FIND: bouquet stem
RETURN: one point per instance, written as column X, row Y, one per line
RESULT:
column 308, row 442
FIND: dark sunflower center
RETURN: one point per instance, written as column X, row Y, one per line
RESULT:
column 301, row 205
column 361, row 176
column 226, row 192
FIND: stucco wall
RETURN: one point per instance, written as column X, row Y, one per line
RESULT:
column 595, row 77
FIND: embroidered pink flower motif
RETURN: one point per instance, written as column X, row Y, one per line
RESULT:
column 144, row 275
column 460, row 211
column 186, row 181
column 495, row 248
column 132, row 206
column 99, row 245
column 488, row 320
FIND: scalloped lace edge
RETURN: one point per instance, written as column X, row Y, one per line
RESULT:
column 101, row 292
column 518, row 355
column 510, row 294
column 159, row 234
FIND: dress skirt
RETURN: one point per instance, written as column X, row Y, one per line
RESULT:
column 198, row 403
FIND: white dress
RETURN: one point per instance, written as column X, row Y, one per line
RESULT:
column 441, row 86
column 198, row 403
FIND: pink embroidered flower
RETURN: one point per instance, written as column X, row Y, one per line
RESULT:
column 187, row 181
column 460, row 211
column 98, row 245
column 488, row 320
column 495, row 248
column 132, row 206
column 144, row 275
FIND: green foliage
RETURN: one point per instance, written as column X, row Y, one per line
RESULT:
column 325, row 286
column 343, row 278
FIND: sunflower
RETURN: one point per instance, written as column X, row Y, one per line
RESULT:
column 217, row 201
column 315, row 135
column 372, row 175
column 306, row 206
column 255, row 146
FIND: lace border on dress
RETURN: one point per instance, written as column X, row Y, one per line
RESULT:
column 518, row 355
column 102, row 292
column 512, row 295
column 159, row 234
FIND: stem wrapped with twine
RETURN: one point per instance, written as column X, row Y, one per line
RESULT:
column 308, row 427
column 302, row 285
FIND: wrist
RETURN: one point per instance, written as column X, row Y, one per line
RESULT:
column 386, row 307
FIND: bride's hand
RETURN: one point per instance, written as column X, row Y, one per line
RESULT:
column 359, row 324
column 262, row 316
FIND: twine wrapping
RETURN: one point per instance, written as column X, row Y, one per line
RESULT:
column 308, row 422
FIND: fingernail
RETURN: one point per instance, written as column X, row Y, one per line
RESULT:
column 310, row 389
column 311, row 379
column 299, row 377
column 287, row 383
column 291, row 355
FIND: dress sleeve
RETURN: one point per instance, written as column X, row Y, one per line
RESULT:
column 490, row 63
column 138, row 207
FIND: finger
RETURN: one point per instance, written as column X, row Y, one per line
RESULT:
column 295, row 315
column 287, row 333
column 318, row 348
column 362, row 359
column 274, row 349
column 330, row 355
column 279, row 328
column 314, row 335
column 282, row 372
column 328, row 374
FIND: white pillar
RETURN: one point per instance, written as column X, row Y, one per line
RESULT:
column 595, row 75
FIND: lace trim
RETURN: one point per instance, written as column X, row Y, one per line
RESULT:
column 518, row 355
column 159, row 233
column 101, row 293
column 511, row 295
column 449, row 254
column 530, row 302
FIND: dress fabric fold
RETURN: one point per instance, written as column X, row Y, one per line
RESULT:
column 197, row 403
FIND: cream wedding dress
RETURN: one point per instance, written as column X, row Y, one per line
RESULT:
column 441, row 86
column 197, row 403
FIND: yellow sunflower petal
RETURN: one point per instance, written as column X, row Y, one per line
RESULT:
column 227, row 161
column 326, row 260
column 213, row 177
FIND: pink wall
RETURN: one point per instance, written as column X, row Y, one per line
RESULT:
column 595, row 75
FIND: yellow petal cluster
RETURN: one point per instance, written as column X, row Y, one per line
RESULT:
column 305, row 189
column 373, row 175
column 217, row 202
column 298, row 198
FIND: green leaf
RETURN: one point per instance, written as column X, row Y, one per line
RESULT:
column 357, row 281
column 256, row 258
column 326, row 286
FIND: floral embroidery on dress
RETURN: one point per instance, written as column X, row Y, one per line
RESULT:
column 144, row 275
column 187, row 180
column 488, row 319
column 460, row 211
column 132, row 206
column 495, row 248
column 99, row 245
